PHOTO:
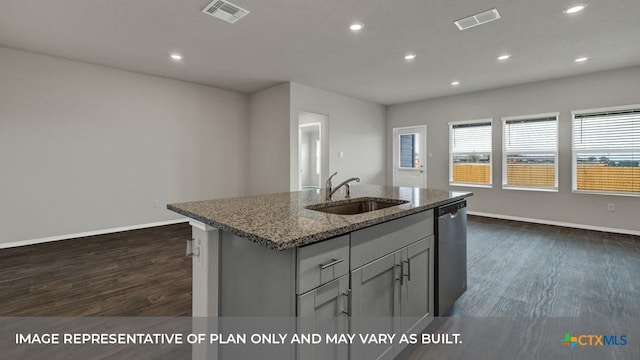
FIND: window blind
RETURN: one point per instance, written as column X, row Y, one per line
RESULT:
column 606, row 151
column 470, row 153
column 470, row 138
column 607, row 131
column 530, row 151
column 531, row 135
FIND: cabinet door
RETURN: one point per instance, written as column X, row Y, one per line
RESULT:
column 374, row 304
column 324, row 311
column 416, row 293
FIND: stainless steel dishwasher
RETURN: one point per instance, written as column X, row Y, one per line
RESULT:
column 451, row 255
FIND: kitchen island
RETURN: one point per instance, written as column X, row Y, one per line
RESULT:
column 283, row 255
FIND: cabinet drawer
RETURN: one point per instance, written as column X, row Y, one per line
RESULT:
column 322, row 262
column 379, row 240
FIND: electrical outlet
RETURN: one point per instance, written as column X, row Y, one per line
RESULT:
column 341, row 154
column 611, row 207
column 156, row 203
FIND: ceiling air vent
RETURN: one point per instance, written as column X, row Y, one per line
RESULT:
column 477, row 19
column 225, row 10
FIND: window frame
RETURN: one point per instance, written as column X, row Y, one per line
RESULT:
column 575, row 153
column 490, row 153
column 505, row 153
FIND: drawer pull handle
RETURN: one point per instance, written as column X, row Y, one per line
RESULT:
column 401, row 278
column 347, row 308
column 331, row 263
column 408, row 274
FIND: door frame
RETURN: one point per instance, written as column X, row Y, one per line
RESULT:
column 396, row 153
column 300, row 126
column 323, row 120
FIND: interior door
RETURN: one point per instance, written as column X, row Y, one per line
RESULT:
column 324, row 311
column 375, row 303
column 409, row 156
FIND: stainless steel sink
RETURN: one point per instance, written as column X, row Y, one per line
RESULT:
column 356, row 206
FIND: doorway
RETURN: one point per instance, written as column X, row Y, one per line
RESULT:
column 409, row 156
column 312, row 149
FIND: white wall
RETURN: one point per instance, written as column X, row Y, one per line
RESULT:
column 84, row 147
column 356, row 127
column 268, row 140
column 603, row 89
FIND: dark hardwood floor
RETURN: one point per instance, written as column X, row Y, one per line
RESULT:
column 518, row 269
column 133, row 273
column 515, row 269
column 529, row 284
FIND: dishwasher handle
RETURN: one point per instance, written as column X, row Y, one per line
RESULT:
column 452, row 209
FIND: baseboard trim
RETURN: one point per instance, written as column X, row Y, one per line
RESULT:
column 556, row 223
column 90, row 233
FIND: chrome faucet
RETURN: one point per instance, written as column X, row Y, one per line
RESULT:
column 330, row 191
column 327, row 187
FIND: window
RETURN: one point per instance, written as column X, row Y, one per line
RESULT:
column 410, row 151
column 606, row 151
column 470, row 153
column 530, row 152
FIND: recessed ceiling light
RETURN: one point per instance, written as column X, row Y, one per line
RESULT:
column 582, row 59
column 574, row 9
column 176, row 57
column 410, row 57
column 356, row 27
column 455, row 83
column 504, row 57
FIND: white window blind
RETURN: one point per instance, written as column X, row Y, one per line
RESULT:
column 606, row 151
column 530, row 152
column 470, row 152
column 471, row 138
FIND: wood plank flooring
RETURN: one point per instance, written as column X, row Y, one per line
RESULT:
column 134, row 273
column 527, row 283
column 515, row 269
column 519, row 269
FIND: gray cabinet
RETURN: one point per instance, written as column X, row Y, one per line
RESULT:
column 375, row 303
column 416, row 293
column 324, row 310
column 322, row 262
column 393, row 294
column 377, row 280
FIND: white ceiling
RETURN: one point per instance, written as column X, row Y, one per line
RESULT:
column 309, row 42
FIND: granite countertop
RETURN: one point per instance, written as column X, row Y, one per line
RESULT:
column 280, row 221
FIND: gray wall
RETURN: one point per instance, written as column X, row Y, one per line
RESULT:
column 85, row 148
column 603, row 89
column 268, row 140
column 349, row 119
